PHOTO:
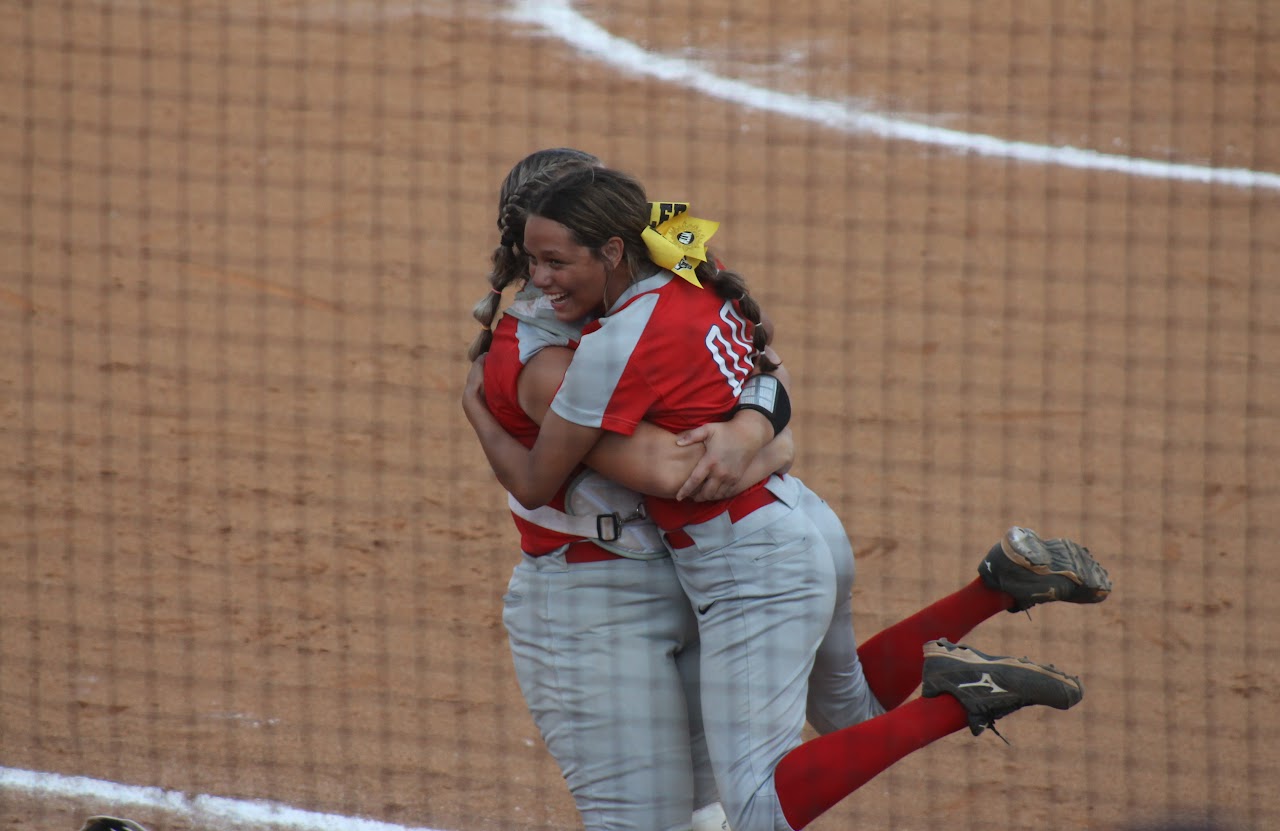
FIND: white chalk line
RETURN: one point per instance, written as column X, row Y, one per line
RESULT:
column 201, row 810
column 558, row 19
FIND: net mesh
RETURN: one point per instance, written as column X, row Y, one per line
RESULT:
column 1022, row 261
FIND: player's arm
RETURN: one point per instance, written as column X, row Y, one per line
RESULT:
column 715, row 475
column 651, row 460
column 532, row 476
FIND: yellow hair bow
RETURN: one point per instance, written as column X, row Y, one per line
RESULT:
column 676, row 240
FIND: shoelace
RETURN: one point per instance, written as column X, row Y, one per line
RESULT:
column 991, row 725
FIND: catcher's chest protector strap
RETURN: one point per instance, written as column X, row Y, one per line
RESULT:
column 604, row 512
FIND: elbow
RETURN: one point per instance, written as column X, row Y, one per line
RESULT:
column 531, row 499
column 529, row 489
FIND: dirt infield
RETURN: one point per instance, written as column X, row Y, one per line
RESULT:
column 251, row 548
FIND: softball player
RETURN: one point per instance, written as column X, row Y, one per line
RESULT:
column 583, row 612
column 757, row 567
column 589, row 604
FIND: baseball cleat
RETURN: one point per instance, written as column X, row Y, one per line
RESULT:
column 1033, row 571
column 111, row 824
column 992, row 687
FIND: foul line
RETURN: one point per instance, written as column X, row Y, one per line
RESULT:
column 199, row 809
column 558, row 18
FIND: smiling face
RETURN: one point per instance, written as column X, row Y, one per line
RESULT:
column 572, row 276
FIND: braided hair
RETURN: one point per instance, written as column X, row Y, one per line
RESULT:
column 597, row 203
column 508, row 259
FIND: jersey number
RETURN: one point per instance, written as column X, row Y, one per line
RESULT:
column 730, row 346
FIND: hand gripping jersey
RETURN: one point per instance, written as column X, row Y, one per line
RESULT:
column 588, row 506
column 668, row 353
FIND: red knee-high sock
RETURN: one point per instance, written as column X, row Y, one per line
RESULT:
column 819, row 773
column 892, row 659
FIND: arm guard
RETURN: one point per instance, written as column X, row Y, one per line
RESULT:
column 766, row 394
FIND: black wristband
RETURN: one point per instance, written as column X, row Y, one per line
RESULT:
column 766, row 394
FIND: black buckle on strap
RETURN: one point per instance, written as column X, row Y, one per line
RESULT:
column 608, row 527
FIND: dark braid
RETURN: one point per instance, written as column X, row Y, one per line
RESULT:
column 732, row 286
column 508, row 259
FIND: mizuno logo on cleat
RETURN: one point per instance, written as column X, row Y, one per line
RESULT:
column 984, row 681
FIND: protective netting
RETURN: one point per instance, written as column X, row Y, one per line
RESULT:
column 1022, row 258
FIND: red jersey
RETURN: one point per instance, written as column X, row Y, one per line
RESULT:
column 668, row 353
column 512, row 347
